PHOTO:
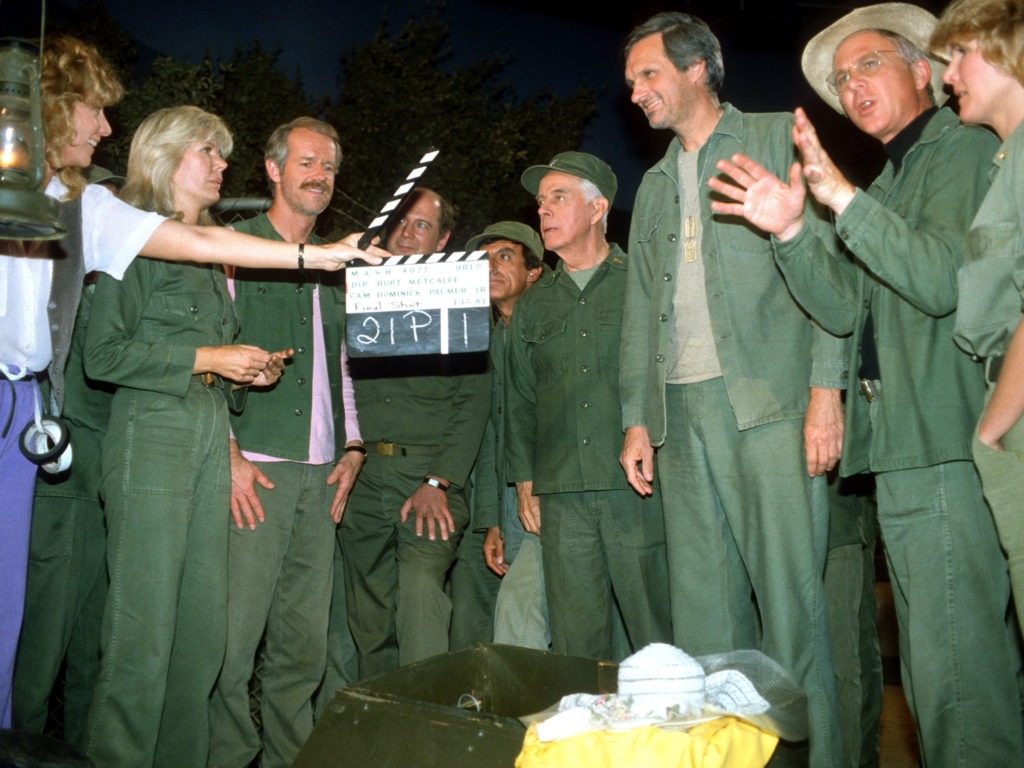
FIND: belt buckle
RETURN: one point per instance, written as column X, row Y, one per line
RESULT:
column 386, row 449
column 209, row 379
column 869, row 390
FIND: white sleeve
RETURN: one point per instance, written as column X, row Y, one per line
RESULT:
column 113, row 232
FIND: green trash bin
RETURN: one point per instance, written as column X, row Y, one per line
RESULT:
column 456, row 709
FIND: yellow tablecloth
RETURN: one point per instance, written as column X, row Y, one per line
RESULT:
column 720, row 743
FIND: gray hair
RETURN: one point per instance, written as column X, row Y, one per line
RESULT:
column 687, row 39
column 591, row 193
column 906, row 50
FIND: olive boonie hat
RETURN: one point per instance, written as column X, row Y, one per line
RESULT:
column 515, row 231
column 914, row 23
column 581, row 164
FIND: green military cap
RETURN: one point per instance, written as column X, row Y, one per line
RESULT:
column 515, row 231
column 581, row 164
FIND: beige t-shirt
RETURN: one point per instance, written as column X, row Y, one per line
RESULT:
column 694, row 357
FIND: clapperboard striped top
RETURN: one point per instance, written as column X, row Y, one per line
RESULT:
column 434, row 258
column 392, row 205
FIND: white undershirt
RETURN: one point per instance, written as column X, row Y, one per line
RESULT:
column 113, row 233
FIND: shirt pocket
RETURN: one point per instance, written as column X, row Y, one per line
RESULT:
column 645, row 228
column 548, row 349
column 171, row 312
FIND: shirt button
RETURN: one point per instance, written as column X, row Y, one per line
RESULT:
column 300, row 350
column 387, row 398
column 584, row 368
column 298, row 411
column 298, row 288
column 666, row 277
column 584, row 333
column 302, row 320
column 300, row 381
column 583, row 299
column 586, row 441
column 261, row 289
column 585, row 404
column 660, row 358
column 194, row 309
column 663, row 318
column 672, row 238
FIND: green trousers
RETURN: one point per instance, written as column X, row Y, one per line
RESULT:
column 959, row 658
column 742, row 517
column 342, row 658
column 280, row 578
column 398, row 609
column 521, row 611
column 853, row 616
column 473, row 588
column 603, row 552
column 166, row 488
column 66, row 591
column 1002, row 478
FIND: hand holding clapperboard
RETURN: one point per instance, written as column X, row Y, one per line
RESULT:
column 418, row 304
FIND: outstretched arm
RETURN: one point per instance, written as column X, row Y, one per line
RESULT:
column 174, row 241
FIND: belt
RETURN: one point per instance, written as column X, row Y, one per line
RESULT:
column 208, row 379
column 871, row 389
column 386, row 448
column 993, row 367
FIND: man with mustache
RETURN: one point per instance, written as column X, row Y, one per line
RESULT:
column 295, row 454
column 891, row 283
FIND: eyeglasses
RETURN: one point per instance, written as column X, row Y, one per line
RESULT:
column 867, row 65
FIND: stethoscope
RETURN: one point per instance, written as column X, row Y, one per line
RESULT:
column 45, row 441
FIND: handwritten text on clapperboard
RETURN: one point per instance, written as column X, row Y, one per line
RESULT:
column 438, row 305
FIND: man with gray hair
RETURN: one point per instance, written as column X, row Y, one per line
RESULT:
column 295, row 453
column 602, row 545
column 891, row 283
column 724, row 371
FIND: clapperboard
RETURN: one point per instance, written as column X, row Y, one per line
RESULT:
column 419, row 304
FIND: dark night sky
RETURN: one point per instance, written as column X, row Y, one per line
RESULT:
column 554, row 45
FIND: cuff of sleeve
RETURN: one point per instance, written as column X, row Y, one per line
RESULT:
column 858, row 214
column 633, row 416
column 829, row 375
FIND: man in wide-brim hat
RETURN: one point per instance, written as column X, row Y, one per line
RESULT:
column 912, row 397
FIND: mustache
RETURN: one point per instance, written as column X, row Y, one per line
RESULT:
column 317, row 185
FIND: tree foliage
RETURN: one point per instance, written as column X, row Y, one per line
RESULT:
column 399, row 94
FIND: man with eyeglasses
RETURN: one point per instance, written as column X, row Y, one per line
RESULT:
column 890, row 281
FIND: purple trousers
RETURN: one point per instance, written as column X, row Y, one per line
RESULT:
column 17, row 481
